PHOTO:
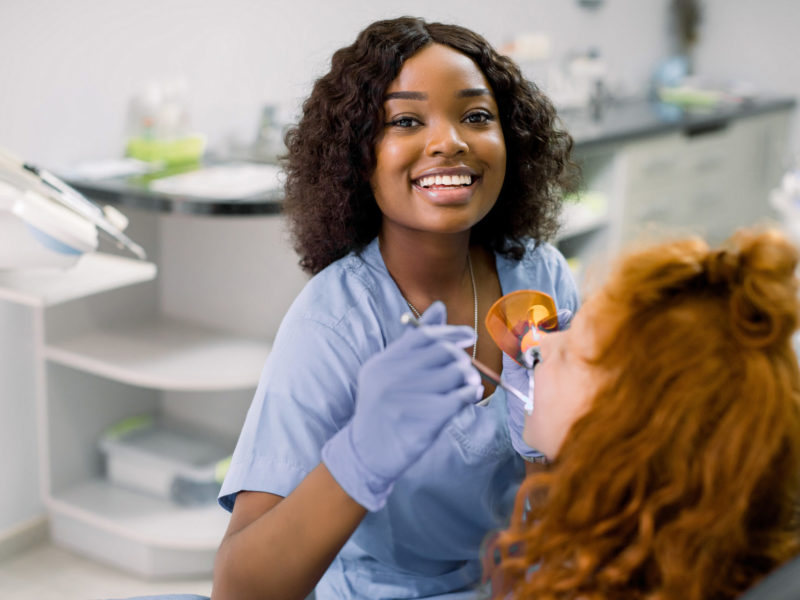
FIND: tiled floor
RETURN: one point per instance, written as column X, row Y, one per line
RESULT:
column 50, row 573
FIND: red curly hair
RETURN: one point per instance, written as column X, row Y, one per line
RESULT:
column 680, row 482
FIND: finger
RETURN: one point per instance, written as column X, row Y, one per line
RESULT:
column 463, row 395
column 564, row 318
column 436, row 360
column 439, row 381
column 556, row 322
column 460, row 335
column 455, row 336
column 435, row 315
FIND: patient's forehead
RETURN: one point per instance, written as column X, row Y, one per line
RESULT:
column 588, row 329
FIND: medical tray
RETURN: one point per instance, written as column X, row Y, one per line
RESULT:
column 166, row 459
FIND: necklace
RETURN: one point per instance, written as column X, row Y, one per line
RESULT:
column 474, row 302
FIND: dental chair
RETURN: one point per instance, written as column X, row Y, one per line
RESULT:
column 782, row 584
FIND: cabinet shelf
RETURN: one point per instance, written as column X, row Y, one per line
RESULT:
column 93, row 273
column 137, row 532
column 165, row 354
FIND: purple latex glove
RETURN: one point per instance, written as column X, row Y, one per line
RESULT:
column 406, row 395
column 522, row 378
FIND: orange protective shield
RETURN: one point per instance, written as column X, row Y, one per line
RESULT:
column 517, row 321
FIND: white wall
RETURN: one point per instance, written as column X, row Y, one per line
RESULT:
column 753, row 41
column 67, row 69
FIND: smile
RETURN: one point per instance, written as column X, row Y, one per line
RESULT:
column 444, row 181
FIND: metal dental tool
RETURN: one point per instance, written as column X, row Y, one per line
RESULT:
column 486, row 372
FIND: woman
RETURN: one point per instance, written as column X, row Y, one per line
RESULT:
column 670, row 412
column 423, row 176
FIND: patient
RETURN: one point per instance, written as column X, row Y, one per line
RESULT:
column 670, row 413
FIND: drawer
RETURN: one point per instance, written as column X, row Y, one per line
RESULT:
column 653, row 163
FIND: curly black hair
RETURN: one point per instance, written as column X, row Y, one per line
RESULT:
column 329, row 203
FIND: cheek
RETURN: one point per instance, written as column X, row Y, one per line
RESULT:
column 494, row 151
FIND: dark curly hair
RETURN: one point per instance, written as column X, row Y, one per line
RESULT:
column 331, row 152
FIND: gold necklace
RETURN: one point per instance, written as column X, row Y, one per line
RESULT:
column 474, row 302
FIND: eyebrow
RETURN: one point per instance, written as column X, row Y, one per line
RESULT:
column 472, row 92
column 467, row 93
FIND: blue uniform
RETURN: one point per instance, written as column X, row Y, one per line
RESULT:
column 425, row 542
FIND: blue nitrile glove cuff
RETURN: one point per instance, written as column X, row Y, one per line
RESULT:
column 341, row 458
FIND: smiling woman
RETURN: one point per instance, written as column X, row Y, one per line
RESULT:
column 441, row 123
column 425, row 175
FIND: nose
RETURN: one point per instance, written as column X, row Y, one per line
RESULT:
column 444, row 139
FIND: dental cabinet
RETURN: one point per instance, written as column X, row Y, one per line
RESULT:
column 183, row 336
column 111, row 340
column 654, row 168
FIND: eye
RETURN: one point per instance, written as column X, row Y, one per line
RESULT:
column 404, row 122
column 479, row 117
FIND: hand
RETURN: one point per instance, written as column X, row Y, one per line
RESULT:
column 406, row 395
column 522, row 378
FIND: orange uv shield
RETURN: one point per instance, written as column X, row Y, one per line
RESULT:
column 518, row 320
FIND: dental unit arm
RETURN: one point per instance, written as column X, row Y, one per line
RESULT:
column 39, row 209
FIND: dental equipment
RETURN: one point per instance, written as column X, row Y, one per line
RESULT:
column 486, row 372
column 46, row 223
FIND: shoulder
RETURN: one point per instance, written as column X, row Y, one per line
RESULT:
column 349, row 303
column 333, row 293
column 543, row 253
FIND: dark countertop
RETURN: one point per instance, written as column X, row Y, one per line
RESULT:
column 134, row 192
column 618, row 122
column 626, row 121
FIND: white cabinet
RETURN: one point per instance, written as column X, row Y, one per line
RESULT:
column 104, row 349
column 708, row 179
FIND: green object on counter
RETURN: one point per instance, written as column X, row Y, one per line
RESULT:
column 594, row 200
column 169, row 152
column 127, row 425
column 221, row 469
column 688, row 97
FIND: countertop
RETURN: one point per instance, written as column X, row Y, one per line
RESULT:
column 617, row 122
column 625, row 121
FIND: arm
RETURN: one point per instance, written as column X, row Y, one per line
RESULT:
column 280, row 547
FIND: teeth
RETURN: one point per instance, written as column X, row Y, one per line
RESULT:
column 445, row 180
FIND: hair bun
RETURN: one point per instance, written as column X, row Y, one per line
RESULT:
column 758, row 268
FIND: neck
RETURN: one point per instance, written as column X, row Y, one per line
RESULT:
column 428, row 268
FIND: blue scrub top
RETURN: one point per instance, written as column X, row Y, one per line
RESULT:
column 426, row 541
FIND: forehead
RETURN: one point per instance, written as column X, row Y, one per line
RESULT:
column 437, row 65
column 579, row 336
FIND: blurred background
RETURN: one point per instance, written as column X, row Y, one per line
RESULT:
column 123, row 382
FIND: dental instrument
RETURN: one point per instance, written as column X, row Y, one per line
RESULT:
column 46, row 223
column 486, row 372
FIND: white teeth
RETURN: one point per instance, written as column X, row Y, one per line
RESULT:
column 444, row 180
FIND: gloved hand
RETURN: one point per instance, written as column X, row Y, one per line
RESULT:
column 522, row 378
column 406, row 395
